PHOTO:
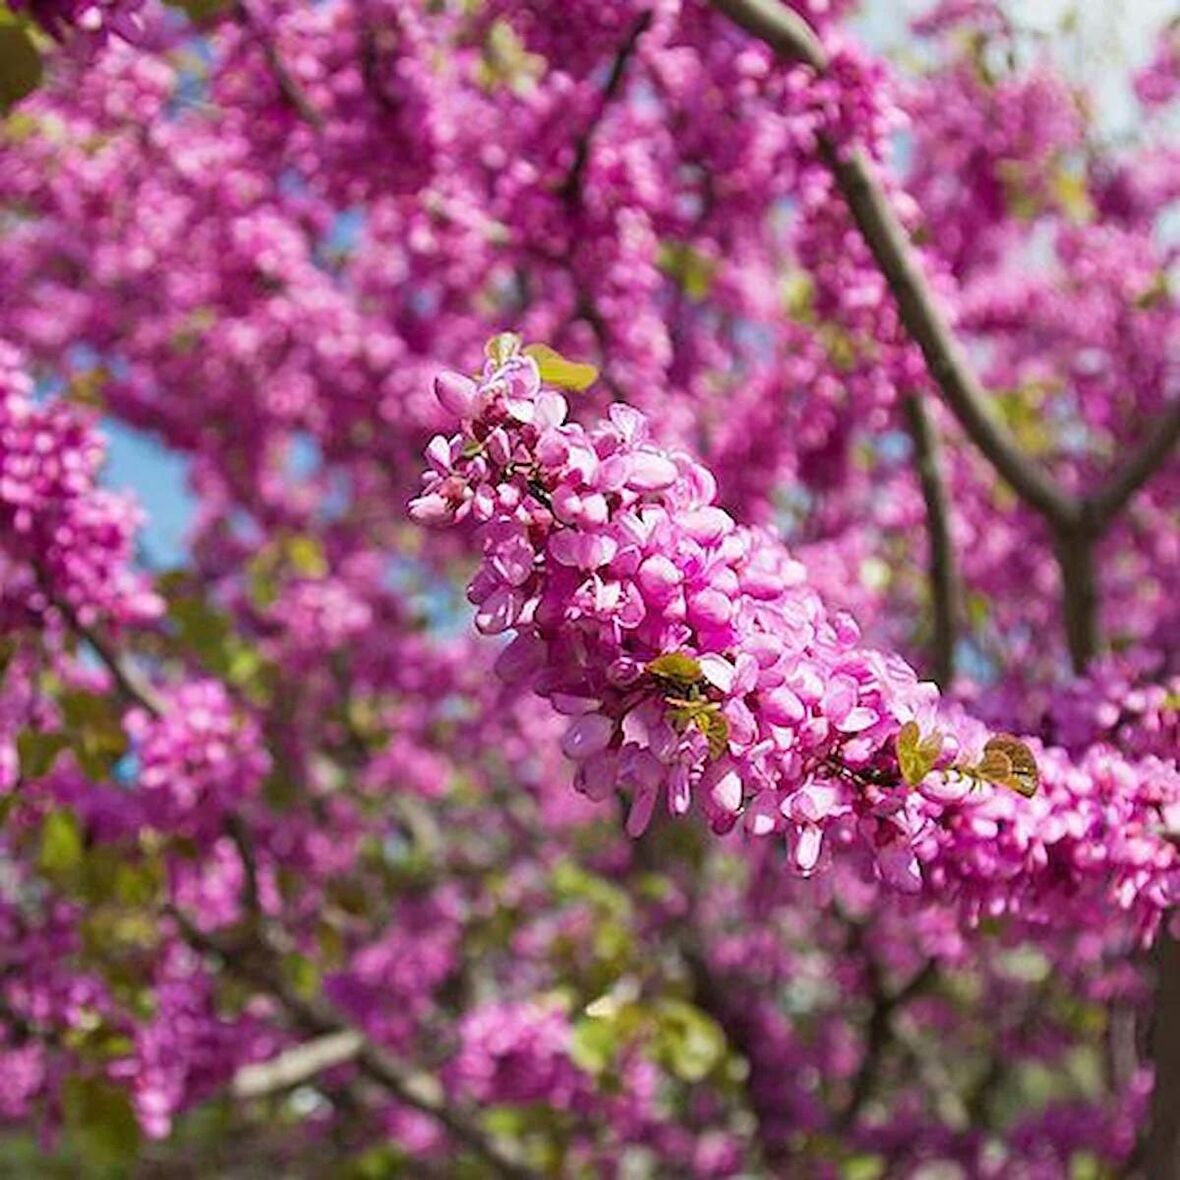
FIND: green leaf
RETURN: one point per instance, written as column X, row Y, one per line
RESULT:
column 691, row 1043
column 101, row 1121
column 571, row 882
column 95, row 731
column 61, row 843
column 1008, row 762
column 506, row 61
column 594, row 1043
column 502, row 348
column 199, row 11
column 384, row 1161
column 20, row 63
column 306, row 556
column 916, row 755
column 138, row 884
column 799, row 296
column 677, row 667
column 862, row 1167
column 715, row 727
column 693, row 270
column 556, row 370
column 1073, row 198
column 38, row 751
column 302, row 974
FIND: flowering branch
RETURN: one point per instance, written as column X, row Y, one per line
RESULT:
column 314, row 1016
column 696, row 664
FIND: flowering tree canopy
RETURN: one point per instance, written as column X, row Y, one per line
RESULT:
column 796, row 429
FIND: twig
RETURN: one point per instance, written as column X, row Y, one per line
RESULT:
column 317, row 1017
column 942, row 576
column 880, row 1034
column 125, row 677
column 287, row 85
column 296, row 1065
column 1109, row 501
column 571, row 188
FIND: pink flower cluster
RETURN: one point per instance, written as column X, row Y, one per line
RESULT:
column 517, row 1053
column 63, row 539
column 198, row 761
column 690, row 654
column 694, row 661
column 93, row 19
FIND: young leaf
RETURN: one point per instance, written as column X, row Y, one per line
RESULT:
column 691, row 1043
column 716, row 729
column 20, row 63
column 38, row 751
column 101, row 1121
column 556, row 370
column 1008, row 762
column 916, row 755
column 503, row 347
column 676, row 667
column 593, row 1043
column 61, row 843
column 95, row 731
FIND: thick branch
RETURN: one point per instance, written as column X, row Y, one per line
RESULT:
column 1079, row 594
column 943, row 579
column 785, row 31
column 1162, row 1154
column 890, row 247
column 790, row 37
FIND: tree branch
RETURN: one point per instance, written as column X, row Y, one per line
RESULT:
column 784, row 30
column 571, row 188
column 296, row 1065
column 126, row 679
column 880, row 1034
column 789, row 36
column 890, row 247
column 1161, row 1156
column 1079, row 596
column 287, row 85
column 1109, row 501
column 254, row 964
column 1078, row 519
column 942, row 575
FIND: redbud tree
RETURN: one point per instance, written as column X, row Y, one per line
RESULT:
column 673, row 670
